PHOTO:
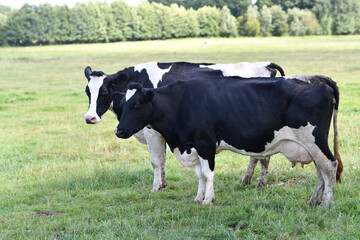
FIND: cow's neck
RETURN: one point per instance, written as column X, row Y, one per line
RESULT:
column 161, row 119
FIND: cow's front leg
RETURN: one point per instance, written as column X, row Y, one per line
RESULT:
column 208, row 176
column 157, row 149
column 202, row 185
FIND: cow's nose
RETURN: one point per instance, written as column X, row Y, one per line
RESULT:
column 120, row 133
column 90, row 119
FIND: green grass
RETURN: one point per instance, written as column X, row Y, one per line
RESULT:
column 50, row 160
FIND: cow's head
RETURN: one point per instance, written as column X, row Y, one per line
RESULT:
column 135, row 109
column 99, row 89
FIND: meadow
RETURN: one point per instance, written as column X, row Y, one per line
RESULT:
column 63, row 179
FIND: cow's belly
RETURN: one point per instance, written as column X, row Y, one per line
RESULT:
column 292, row 143
column 187, row 159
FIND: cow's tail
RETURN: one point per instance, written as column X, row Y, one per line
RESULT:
column 336, row 93
column 273, row 67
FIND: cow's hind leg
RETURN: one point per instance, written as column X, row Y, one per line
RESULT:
column 316, row 197
column 264, row 169
column 327, row 173
column 249, row 171
column 156, row 144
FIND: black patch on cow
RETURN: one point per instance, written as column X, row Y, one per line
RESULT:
column 164, row 65
column 97, row 73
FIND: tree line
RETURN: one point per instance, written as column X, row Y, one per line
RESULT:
column 164, row 19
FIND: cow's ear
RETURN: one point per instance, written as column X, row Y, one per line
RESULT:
column 116, row 97
column 120, row 77
column 149, row 95
column 87, row 72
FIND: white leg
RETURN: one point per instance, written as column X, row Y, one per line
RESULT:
column 156, row 144
column 208, row 176
column 326, row 178
column 264, row 169
column 329, row 176
column 201, row 190
column 249, row 171
column 316, row 197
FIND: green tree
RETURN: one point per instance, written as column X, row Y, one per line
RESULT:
column 266, row 26
column 150, row 27
column 286, row 4
column 62, row 28
column 181, row 22
column 344, row 12
column 237, row 7
column 45, row 26
column 22, row 26
column 88, row 22
column 209, row 21
column 279, row 19
column 126, row 27
column 322, row 10
column 249, row 25
column 228, row 23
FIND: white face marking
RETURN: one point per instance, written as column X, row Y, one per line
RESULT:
column 243, row 69
column 94, row 86
column 129, row 94
column 154, row 72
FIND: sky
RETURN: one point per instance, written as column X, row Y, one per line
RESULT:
column 70, row 3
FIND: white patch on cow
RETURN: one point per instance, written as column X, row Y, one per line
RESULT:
column 154, row 72
column 94, row 86
column 243, row 69
column 129, row 94
column 303, row 77
column 140, row 136
column 295, row 144
column 187, row 159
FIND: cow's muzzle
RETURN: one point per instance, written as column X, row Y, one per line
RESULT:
column 91, row 119
column 121, row 133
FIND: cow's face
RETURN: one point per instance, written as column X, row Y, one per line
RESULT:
column 98, row 93
column 136, row 107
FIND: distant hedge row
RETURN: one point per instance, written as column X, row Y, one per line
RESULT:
column 100, row 22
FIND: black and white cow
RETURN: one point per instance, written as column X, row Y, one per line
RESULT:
column 152, row 75
column 255, row 117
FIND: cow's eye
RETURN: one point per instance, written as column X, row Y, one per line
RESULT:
column 136, row 106
column 104, row 92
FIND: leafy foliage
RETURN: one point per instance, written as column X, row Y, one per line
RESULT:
column 164, row 19
column 236, row 7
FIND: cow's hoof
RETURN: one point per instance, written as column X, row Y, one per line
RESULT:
column 198, row 200
column 208, row 202
column 327, row 202
column 246, row 181
column 261, row 185
column 157, row 189
column 314, row 202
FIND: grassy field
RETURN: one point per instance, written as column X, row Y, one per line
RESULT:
column 98, row 186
